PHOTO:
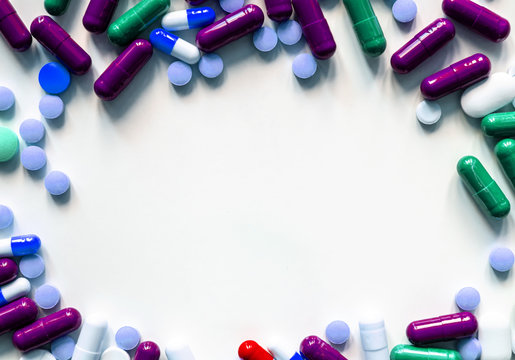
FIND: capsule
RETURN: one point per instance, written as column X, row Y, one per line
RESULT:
column 314, row 348
column 410, row 352
column 147, row 350
column 250, row 350
column 17, row 314
column 366, row 26
column 89, row 343
column 315, row 28
column 98, row 15
column 230, row 28
column 195, row 2
column 20, row 245
column 442, row 328
column 8, row 270
column 14, row 290
column 12, row 28
column 56, row 7
column 505, row 152
column 455, row 77
column 56, row 40
column 47, row 329
column 499, row 124
column 123, row 69
column 278, row 10
column 127, row 27
column 188, row 19
column 373, row 339
column 495, row 336
column 477, row 18
column 175, row 46
column 423, row 45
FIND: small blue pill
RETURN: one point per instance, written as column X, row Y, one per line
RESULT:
column 51, row 106
column 62, row 348
column 47, row 296
column 54, row 78
column 265, row 39
column 32, row 266
column 337, row 332
column 127, row 338
column 6, row 217
column 404, row 11
column 469, row 348
column 32, row 131
column 230, row 6
column 468, row 299
column 501, row 259
column 179, row 73
column 304, row 66
column 33, row 158
column 6, row 98
column 57, row 183
column 289, row 32
column 211, row 65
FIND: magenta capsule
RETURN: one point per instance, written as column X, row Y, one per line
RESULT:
column 98, row 15
column 423, row 45
column 8, row 270
column 314, row 348
column 56, row 40
column 278, row 10
column 315, row 28
column 195, row 2
column 455, row 77
column 478, row 18
column 230, row 28
column 12, row 28
column 442, row 328
column 147, row 350
column 17, row 314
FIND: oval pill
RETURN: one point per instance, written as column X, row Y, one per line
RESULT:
column 98, row 15
column 57, row 183
column 499, row 124
column 278, row 10
column 501, row 259
column 404, row 11
column 8, row 271
column 17, row 314
column 147, row 350
column 89, row 343
column 32, row 131
column 32, row 266
column 127, row 338
column 12, row 28
column 173, row 45
column 211, row 65
column 468, row 299
column 56, row 7
column 188, row 19
column 251, row 350
column 314, row 348
column 505, row 152
column 442, row 328
column 410, row 352
column 337, row 332
column 20, row 245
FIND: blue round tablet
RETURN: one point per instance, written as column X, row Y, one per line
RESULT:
column 51, row 106
column 469, row 348
column 54, row 78
column 47, row 296
column 33, row 158
column 127, row 338
column 501, row 259
column 230, row 6
column 32, row 266
column 6, row 98
column 289, row 32
column 211, row 65
column 62, row 348
column 6, row 217
column 57, row 183
column 179, row 73
column 304, row 66
column 468, row 299
column 404, row 11
column 337, row 332
column 32, row 131
column 265, row 39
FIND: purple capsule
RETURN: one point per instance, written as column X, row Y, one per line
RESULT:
column 147, row 350
column 442, row 328
column 278, row 10
column 8, row 271
column 314, row 348
column 12, row 28
column 98, row 15
column 17, row 314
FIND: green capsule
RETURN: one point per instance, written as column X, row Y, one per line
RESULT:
column 366, row 26
column 410, row 352
column 499, row 124
column 483, row 188
column 56, row 7
column 505, row 151
column 127, row 27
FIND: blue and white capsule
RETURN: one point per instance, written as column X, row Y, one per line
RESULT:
column 175, row 46
column 14, row 290
column 188, row 19
column 20, row 245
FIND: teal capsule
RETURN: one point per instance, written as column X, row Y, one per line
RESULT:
column 485, row 191
column 410, row 352
column 56, row 7
column 499, row 124
column 505, row 152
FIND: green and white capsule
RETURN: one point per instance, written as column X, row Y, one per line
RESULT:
column 499, row 124
column 505, row 152
column 410, row 352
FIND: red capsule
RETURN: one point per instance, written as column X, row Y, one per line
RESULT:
column 13, row 29
column 250, row 350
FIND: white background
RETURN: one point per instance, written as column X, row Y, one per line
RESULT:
column 257, row 206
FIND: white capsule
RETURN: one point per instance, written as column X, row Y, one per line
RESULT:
column 90, row 339
column 373, row 339
column 179, row 352
column 114, row 353
column 38, row 354
column 175, row 46
column 494, row 334
column 14, row 290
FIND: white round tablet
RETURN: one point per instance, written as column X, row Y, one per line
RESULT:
column 114, row 353
column 429, row 112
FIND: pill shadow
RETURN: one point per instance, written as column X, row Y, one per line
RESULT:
column 79, row 83
column 407, row 27
column 58, row 122
column 271, row 55
column 11, row 165
column 62, row 199
column 37, row 174
column 295, row 48
column 8, row 114
column 389, row 3
column 329, row 4
column 494, row 51
column 8, row 231
column 28, row 59
column 502, row 275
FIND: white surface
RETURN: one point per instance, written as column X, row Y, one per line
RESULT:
column 254, row 206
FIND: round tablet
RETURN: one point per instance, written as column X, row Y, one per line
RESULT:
column 51, row 106
column 114, row 353
column 265, row 39
column 211, row 65
column 54, row 78
column 468, row 299
column 230, row 6
column 32, row 131
column 57, row 183
column 127, row 338
column 404, row 11
column 289, row 32
column 38, row 354
column 501, row 259
column 33, row 158
column 62, row 348
column 32, row 266
column 6, row 217
column 469, row 348
column 47, row 296
column 304, row 66
column 429, row 112
column 8, row 144
column 179, row 73
column 337, row 332
column 6, row 98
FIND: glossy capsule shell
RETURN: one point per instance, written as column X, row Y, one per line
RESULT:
column 98, row 15
column 56, row 7
column 455, row 77
column 251, row 350
column 17, row 314
column 8, row 270
column 59, row 43
column 278, row 10
column 20, row 245
column 410, row 352
column 89, row 343
column 314, row 348
column 188, row 19
column 47, row 329
column 477, row 18
column 315, row 28
column 499, row 124
column 12, row 28
column 442, row 328
column 505, row 152
column 173, row 45
column 230, row 28
column 14, row 290
column 147, row 350
column 423, row 45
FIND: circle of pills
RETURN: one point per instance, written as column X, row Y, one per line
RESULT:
column 501, row 259
column 33, row 158
column 179, row 73
column 32, row 131
column 47, row 296
column 468, row 299
column 304, row 66
column 32, row 266
column 404, row 11
column 6, row 98
column 230, row 6
column 337, row 332
column 211, row 65
column 6, row 217
column 469, row 348
column 62, row 348
column 54, row 78
column 265, row 39
column 428, row 112
column 8, row 144
column 289, row 32
column 51, row 106
column 57, row 183
column 127, row 338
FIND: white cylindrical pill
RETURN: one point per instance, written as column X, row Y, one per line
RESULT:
column 373, row 339
column 489, row 95
column 90, row 339
column 179, row 352
column 494, row 334
column 14, row 290
column 114, row 353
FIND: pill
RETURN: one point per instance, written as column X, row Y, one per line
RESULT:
column 315, row 28
column 409, row 352
column 179, row 73
column 122, row 70
column 47, row 329
column 56, row 8
column 127, row 338
column 289, row 32
column 6, row 217
column 366, row 26
column 6, row 98
column 265, row 39
column 17, row 314
column 51, row 106
column 505, row 152
column 147, row 350
column 455, row 77
column 423, row 45
column 501, row 259
column 54, row 78
column 127, row 27
column 469, row 348
column 114, row 353
column 32, row 131
column 468, row 299
column 57, row 183
column 304, row 66
column 37, row 354
column 8, row 270
column 251, row 350
column 195, row 2
column 211, row 65
column 297, row 356
column 404, row 11
column 188, row 19
column 12, row 28
column 173, row 45
column 489, row 95
column 442, row 328
column 47, row 296
column 20, row 245
column 230, row 28
column 59, row 43
column 428, row 112
column 373, row 338
column 477, row 18
column 33, row 158
column 8, row 144
column 230, row 6
column 484, row 190
column 278, row 352
column 278, row 10
column 98, row 15
column 179, row 352
column 14, row 290
column 495, row 336
column 89, row 343
column 499, row 124
column 314, row 348
column 337, row 332
column 32, row 266
column 62, row 348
